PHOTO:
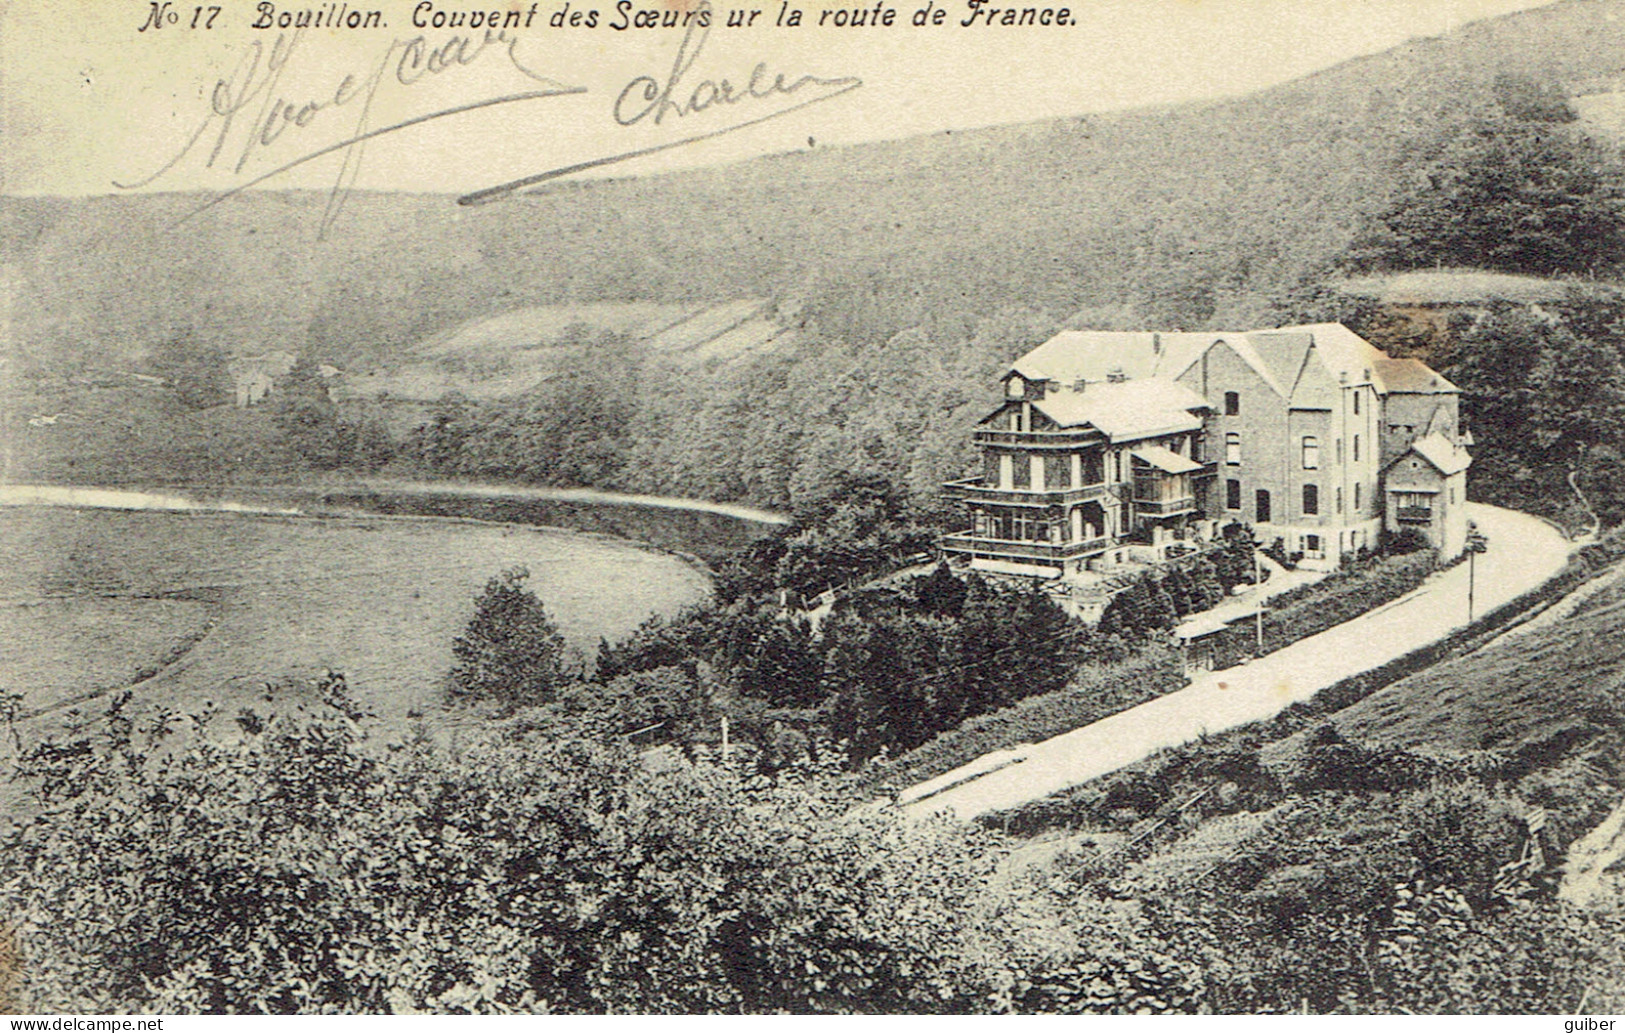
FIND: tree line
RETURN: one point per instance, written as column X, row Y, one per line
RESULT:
column 890, row 663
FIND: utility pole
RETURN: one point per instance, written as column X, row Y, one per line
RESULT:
column 1476, row 543
column 1258, row 587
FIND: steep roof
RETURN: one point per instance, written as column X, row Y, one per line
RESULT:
column 1128, row 410
column 1446, row 456
column 1278, row 356
column 1350, row 358
column 1243, row 345
column 1095, row 355
column 1413, row 377
column 1284, row 352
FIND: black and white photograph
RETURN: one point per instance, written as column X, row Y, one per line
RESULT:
column 842, row 507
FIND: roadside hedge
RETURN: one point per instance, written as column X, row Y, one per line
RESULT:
column 1095, row 692
column 1585, row 564
column 1069, row 808
column 1313, row 608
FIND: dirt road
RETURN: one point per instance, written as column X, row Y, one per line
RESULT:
column 1523, row 553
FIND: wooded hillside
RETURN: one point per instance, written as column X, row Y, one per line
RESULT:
column 916, row 267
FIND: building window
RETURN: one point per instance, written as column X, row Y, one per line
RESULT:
column 1232, row 449
column 1311, row 453
column 1452, row 496
column 1339, row 451
column 1232, row 494
column 1311, row 500
column 1311, row 545
column 1356, row 407
column 1356, row 444
column 1261, row 507
column 1232, row 403
column 1337, row 497
column 1357, row 498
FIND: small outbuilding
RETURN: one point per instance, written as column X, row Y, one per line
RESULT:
column 1427, row 493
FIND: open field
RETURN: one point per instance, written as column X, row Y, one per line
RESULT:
column 99, row 599
column 58, row 649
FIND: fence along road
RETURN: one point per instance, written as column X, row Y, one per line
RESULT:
column 1523, row 553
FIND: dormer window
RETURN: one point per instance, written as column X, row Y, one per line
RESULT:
column 1015, row 387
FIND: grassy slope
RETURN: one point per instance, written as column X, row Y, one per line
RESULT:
column 1527, row 688
column 1278, row 867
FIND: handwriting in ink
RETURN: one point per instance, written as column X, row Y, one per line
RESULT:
column 656, row 99
column 249, row 97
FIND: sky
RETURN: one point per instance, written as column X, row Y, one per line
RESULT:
column 92, row 102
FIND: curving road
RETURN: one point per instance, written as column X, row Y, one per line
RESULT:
column 1523, row 553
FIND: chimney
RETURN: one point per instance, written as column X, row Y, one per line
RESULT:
column 1156, row 344
column 1116, row 375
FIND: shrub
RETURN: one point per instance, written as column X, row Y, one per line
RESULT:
column 1310, row 609
column 1095, row 691
column 293, row 870
column 511, row 653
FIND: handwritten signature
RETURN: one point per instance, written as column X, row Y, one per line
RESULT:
column 247, row 113
column 649, row 98
column 254, row 82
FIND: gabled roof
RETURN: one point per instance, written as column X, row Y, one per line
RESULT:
column 1440, row 422
column 1127, row 411
column 1280, row 357
column 1413, row 377
column 1284, row 352
column 1095, row 355
column 1277, row 355
column 1350, row 358
column 1445, row 455
column 1242, row 345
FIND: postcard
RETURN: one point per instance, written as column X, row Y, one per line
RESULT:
column 661, row 507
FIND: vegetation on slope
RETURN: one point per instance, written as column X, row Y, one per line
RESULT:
column 912, row 289
column 284, row 865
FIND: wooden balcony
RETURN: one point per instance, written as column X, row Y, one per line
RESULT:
column 1210, row 468
column 970, row 544
column 974, row 490
column 1038, row 439
column 1152, row 507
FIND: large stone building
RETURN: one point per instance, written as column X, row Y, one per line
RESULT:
column 1109, row 447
